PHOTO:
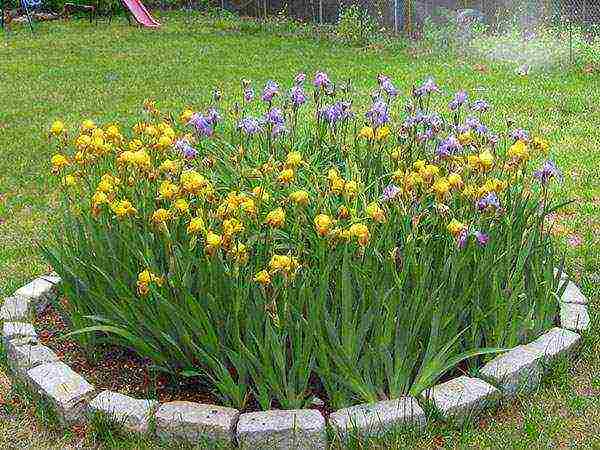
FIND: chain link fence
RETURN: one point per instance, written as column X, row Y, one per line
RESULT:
column 513, row 30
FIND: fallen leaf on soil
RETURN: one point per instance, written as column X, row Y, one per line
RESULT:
column 481, row 68
column 439, row 441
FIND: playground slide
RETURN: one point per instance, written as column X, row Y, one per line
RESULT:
column 140, row 13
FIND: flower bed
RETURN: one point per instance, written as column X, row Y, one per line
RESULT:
column 76, row 400
column 277, row 246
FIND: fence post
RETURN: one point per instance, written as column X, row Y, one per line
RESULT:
column 395, row 16
column 320, row 12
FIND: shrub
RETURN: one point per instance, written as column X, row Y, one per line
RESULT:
column 287, row 244
column 356, row 26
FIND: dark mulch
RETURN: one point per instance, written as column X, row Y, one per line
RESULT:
column 116, row 368
column 121, row 370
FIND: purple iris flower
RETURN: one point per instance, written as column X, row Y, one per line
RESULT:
column 434, row 121
column 270, row 91
column 213, row 116
column 463, row 129
column 336, row 112
column 420, row 117
column 481, row 128
column 390, row 192
column 448, row 147
column 493, row 139
column 548, row 171
column 321, row 80
column 428, row 87
column 250, row 125
column 472, row 122
column 409, row 122
column 300, row 79
column 488, row 201
column 275, row 117
column 378, row 114
column 481, row 238
column 475, row 124
column 248, row 94
column 425, row 136
column 463, row 238
column 186, row 150
column 381, row 78
column 330, row 114
column 480, row 106
column 387, row 86
column 202, row 124
column 298, row 96
column 520, row 135
column 459, row 99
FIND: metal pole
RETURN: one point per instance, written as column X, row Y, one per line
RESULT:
column 395, row 16
column 28, row 14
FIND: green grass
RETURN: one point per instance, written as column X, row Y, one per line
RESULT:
column 74, row 70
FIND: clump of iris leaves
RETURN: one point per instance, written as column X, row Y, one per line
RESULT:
column 357, row 324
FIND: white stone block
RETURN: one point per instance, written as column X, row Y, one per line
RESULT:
column 556, row 343
column 377, row 418
column 519, row 370
column 14, row 330
column 39, row 292
column 462, row 398
column 14, row 309
column 572, row 294
column 574, row 316
column 127, row 412
column 65, row 389
column 195, row 422
column 281, row 430
column 24, row 354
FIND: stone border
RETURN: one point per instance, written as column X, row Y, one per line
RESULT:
column 76, row 400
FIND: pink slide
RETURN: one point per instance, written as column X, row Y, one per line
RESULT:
column 140, row 13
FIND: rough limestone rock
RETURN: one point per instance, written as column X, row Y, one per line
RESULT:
column 275, row 429
column 377, row 418
column 40, row 291
column 519, row 370
column 572, row 294
column 129, row 413
column 25, row 353
column 556, row 343
column 53, row 278
column 14, row 308
column 65, row 389
column 574, row 316
column 14, row 330
column 195, row 422
column 461, row 398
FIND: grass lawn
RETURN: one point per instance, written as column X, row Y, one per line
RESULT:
column 74, row 70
